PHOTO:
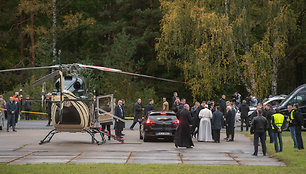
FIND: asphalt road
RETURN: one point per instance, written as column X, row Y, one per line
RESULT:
column 22, row 147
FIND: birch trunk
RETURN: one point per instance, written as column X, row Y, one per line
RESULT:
column 238, row 70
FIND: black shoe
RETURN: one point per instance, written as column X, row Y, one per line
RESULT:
column 7, row 130
column 109, row 138
column 122, row 134
column 14, row 130
column 131, row 128
column 264, row 154
column 0, row 127
column 254, row 154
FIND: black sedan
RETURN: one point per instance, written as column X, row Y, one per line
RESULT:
column 159, row 124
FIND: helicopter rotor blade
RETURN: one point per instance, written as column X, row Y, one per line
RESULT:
column 123, row 72
column 30, row 68
column 45, row 78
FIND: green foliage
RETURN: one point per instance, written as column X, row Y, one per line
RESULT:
column 213, row 42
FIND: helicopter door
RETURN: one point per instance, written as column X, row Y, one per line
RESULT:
column 105, row 108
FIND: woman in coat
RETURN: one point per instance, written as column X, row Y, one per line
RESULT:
column 229, row 123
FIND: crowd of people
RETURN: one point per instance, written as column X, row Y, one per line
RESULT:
column 202, row 121
column 205, row 120
column 11, row 110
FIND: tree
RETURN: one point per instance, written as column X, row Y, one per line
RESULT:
column 216, row 42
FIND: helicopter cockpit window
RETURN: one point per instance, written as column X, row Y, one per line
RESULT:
column 77, row 85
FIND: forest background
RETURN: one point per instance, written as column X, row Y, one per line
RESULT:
column 214, row 46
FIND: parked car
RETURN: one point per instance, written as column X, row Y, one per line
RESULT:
column 274, row 101
column 296, row 96
column 158, row 124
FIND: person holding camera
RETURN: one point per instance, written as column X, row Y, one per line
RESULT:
column 278, row 122
column 259, row 126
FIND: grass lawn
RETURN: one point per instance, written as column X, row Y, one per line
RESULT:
column 294, row 159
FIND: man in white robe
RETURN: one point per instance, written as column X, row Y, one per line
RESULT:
column 205, row 126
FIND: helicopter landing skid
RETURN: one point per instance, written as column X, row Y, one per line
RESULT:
column 49, row 137
column 92, row 132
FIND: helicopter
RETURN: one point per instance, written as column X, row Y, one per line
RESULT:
column 73, row 109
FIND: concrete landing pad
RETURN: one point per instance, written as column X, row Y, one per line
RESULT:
column 22, row 147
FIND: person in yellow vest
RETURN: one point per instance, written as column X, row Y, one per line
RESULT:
column 278, row 122
column 291, row 125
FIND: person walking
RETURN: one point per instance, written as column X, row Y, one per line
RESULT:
column 259, row 126
column 269, row 114
column 119, row 112
column 108, row 122
column 137, row 113
column 11, row 109
column 182, row 134
column 278, row 121
column 244, row 115
column 298, row 122
column 205, row 126
column 165, row 105
column 290, row 120
column 27, row 107
column 216, row 124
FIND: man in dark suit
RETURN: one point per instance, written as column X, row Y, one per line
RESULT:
column 149, row 107
column 119, row 112
column 244, row 115
column 216, row 124
column 137, row 113
column 11, row 110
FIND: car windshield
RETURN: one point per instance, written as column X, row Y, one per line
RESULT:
column 299, row 97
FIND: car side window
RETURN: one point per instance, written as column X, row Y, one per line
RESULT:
column 302, row 98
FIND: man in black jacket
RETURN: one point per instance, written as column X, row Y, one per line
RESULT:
column 299, row 125
column 244, row 115
column 11, row 109
column 259, row 125
column 119, row 112
column 27, row 107
column 137, row 113
column 149, row 107
column 269, row 114
column 216, row 124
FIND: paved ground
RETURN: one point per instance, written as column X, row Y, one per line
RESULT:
column 22, row 147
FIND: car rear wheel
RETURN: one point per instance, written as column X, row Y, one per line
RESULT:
column 146, row 138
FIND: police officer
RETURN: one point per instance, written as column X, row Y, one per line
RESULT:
column 277, row 123
column 259, row 125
